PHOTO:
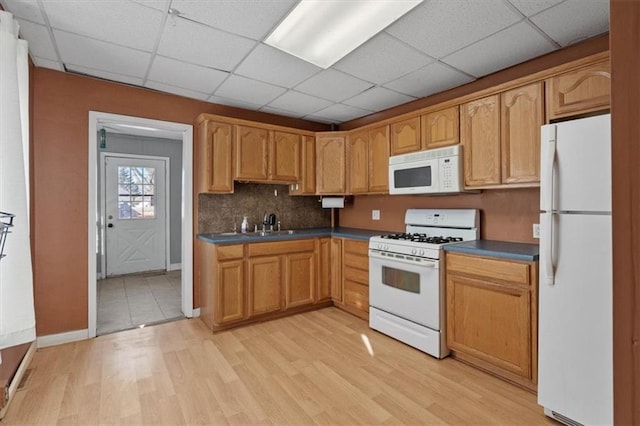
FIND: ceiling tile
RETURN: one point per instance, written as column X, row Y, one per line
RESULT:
column 188, row 76
column 433, row 78
column 121, row 22
column 106, row 75
column 378, row 99
column 531, row 7
column 177, row 90
column 99, row 55
column 234, row 103
column 40, row 43
column 250, row 18
column 508, row 47
column 47, row 63
column 161, row 5
column 440, row 27
column 333, row 85
column 338, row 113
column 247, row 90
column 382, row 59
column 283, row 70
column 286, row 113
column 25, row 9
column 574, row 20
column 201, row 45
column 297, row 102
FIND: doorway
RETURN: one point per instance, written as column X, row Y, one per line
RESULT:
column 135, row 201
column 97, row 215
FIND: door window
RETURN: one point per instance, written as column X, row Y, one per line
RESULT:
column 136, row 192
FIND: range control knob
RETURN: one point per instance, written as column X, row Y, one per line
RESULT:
column 413, row 251
column 421, row 252
column 386, row 247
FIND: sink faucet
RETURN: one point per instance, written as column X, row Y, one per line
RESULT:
column 265, row 222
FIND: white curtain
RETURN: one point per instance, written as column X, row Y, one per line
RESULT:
column 17, row 318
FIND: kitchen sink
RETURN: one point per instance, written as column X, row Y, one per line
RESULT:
column 259, row 233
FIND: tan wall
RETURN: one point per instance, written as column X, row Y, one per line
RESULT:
column 61, row 105
column 506, row 214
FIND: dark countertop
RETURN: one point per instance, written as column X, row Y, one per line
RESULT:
column 251, row 237
column 502, row 249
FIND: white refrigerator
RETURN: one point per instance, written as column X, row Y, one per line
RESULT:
column 575, row 348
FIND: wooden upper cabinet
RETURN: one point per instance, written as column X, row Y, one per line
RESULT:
column 358, row 162
column 480, row 137
column 330, row 163
column 522, row 117
column 307, row 182
column 405, row 136
column 379, row 159
column 580, row 91
column 284, row 157
column 252, row 149
column 213, row 154
column 441, row 128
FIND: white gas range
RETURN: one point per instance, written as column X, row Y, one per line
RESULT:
column 406, row 281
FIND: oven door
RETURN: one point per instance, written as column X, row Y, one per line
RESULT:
column 410, row 289
column 416, row 177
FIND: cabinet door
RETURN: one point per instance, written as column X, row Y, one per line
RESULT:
column 229, row 292
column 336, row 269
column 323, row 283
column 441, row 128
column 480, row 136
column 576, row 92
column 284, row 157
column 330, row 162
column 379, row 159
column 522, row 117
column 252, row 145
column 307, row 182
column 358, row 162
column 491, row 322
column 300, row 279
column 265, row 282
column 214, row 156
column 405, row 136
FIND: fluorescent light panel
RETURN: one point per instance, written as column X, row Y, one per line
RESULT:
column 324, row 31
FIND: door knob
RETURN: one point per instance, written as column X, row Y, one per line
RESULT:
column 110, row 225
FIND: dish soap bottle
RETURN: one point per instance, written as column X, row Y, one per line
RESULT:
column 245, row 225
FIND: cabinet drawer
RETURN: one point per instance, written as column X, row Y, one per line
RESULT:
column 357, row 275
column 229, row 252
column 280, row 247
column 356, row 295
column 356, row 247
column 356, row 261
column 500, row 270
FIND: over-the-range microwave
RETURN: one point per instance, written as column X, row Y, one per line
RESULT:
column 435, row 171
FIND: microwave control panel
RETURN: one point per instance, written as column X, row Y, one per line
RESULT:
column 448, row 175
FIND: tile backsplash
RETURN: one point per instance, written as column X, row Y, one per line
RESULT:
column 218, row 212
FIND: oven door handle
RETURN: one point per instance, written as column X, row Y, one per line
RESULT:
column 427, row 263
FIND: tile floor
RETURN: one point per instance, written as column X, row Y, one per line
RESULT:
column 129, row 301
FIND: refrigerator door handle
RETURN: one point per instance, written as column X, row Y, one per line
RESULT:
column 548, row 179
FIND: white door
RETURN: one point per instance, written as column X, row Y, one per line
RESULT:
column 135, row 215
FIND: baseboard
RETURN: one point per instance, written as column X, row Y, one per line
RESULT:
column 195, row 313
column 17, row 378
column 61, row 338
column 175, row 266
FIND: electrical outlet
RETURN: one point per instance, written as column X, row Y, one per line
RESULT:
column 375, row 214
column 536, row 230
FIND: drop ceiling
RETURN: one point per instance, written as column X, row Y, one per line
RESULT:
column 213, row 50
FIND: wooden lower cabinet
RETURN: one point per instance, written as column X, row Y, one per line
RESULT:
column 264, row 284
column 492, row 315
column 244, row 282
column 355, row 277
column 336, row 269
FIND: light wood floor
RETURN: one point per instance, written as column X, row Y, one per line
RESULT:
column 306, row 369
